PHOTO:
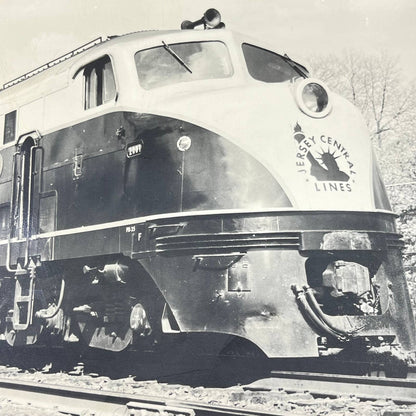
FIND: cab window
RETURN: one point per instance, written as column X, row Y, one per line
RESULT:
column 100, row 86
column 267, row 66
column 10, row 127
column 182, row 62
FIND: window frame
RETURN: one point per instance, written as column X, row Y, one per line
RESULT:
column 5, row 126
column 296, row 68
column 98, row 66
column 231, row 62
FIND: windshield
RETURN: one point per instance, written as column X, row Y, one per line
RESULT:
column 181, row 62
column 267, row 66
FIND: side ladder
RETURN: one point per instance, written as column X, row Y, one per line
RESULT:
column 24, row 296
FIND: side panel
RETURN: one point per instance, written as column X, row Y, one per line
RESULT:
column 212, row 174
column 89, row 179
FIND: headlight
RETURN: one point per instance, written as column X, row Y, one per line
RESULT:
column 313, row 98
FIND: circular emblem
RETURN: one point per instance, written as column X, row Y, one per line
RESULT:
column 324, row 162
column 184, row 143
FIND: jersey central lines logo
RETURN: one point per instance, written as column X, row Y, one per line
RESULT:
column 323, row 161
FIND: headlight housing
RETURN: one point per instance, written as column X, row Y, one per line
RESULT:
column 313, row 97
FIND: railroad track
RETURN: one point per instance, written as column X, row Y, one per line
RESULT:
column 333, row 385
column 82, row 401
column 91, row 392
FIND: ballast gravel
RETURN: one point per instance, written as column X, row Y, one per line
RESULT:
column 279, row 402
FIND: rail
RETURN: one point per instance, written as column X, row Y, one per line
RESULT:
column 52, row 63
column 333, row 385
column 280, row 388
column 80, row 401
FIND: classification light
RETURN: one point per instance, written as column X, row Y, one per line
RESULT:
column 313, row 98
column 184, row 143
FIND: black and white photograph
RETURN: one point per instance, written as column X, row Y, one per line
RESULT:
column 207, row 207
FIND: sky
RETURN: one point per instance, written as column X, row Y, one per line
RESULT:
column 33, row 32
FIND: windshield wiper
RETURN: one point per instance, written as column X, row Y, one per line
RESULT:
column 300, row 69
column 176, row 56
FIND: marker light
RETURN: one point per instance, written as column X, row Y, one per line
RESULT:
column 313, row 98
column 184, row 143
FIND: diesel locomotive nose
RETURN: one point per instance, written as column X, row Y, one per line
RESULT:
column 188, row 182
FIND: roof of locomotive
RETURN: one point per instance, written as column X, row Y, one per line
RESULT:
column 98, row 45
column 56, row 71
column 56, row 74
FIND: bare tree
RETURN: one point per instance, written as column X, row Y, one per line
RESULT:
column 377, row 86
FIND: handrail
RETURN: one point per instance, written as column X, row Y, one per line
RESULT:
column 11, row 215
column 29, row 205
column 43, row 312
column 27, row 226
column 50, row 64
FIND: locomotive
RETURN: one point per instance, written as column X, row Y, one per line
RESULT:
column 168, row 183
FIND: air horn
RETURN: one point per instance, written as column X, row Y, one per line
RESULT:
column 211, row 20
